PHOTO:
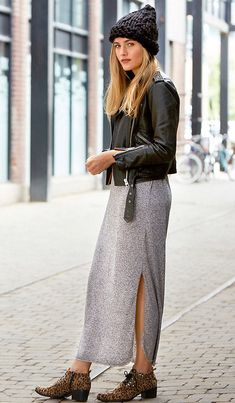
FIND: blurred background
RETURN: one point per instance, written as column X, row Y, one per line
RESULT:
column 54, row 71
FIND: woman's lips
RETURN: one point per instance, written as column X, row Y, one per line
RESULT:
column 125, row 60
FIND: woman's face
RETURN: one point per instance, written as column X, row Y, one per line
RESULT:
column 129, row 53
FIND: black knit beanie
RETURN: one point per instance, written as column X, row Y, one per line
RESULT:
column 139, row 25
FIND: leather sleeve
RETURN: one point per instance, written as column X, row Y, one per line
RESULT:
column 163, row 102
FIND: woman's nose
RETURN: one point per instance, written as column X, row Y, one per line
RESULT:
column 123, row 51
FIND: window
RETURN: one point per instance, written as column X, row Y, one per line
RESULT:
column 211, row 78
column 223, row 9
column 70, row 120
column 63, row 11
column 4, row 110
column 72, row 12
column 5, row 3
column 233, row 12
column 70, row 88
column 78, row 116
column 80, row 14
column 130, row 6
column 216, row 8
column 62, row 115
column 134, row 6
column 5, row 25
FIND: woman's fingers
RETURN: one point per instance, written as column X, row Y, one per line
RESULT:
column 96, row 165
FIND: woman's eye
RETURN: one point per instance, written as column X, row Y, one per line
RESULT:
column 116, row 46
column 130, row 44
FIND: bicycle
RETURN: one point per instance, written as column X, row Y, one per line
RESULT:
column 200, row 155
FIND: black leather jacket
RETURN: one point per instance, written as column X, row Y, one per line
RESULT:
column 152, row 139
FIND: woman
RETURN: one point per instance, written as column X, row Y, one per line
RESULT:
column 125, row 292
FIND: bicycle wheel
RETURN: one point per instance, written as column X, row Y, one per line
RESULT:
column 189, row 168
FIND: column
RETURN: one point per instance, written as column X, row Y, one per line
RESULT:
column 93, row 70
column 18, row 90
column 41, row 98
column 197, row 67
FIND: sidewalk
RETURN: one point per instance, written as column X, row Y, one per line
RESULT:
column 45, row 253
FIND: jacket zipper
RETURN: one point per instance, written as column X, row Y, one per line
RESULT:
column 127, row 171
column 146, row 141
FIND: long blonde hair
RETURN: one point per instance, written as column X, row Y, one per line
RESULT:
column 123, row 94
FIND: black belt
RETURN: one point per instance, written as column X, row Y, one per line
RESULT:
column 130, row 200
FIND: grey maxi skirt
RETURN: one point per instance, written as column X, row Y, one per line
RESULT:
column 123, row 252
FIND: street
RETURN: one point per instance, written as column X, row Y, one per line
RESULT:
column 45, row 254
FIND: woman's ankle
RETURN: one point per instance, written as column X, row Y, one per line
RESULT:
column 80, row 366
column 143, row 369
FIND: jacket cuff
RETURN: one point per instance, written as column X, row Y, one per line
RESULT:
column 119, row 161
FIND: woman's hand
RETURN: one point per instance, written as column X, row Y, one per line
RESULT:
column 98, row 163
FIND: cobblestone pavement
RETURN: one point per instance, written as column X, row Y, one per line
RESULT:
column 41, row 320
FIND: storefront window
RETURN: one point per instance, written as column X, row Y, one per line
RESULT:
column 80, row 13
column 216, row 8
column 6, row 3
column 4, row 110
column 134, row 6
column 62, row 115
column 223, row 9
column 79, row 119
column 233, row 12
column 70, row 120
column 63, row 11
column 130, row 6
column 72, row 12
column 211, row 80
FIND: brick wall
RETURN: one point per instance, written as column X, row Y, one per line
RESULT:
column 19, row 52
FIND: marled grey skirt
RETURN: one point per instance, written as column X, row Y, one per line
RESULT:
column 124, row 251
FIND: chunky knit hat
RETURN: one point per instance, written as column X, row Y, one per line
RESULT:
column 139, row 25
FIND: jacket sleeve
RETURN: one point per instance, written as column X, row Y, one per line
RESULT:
column 163, row 101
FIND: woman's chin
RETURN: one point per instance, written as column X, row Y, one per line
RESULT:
column 126, row 68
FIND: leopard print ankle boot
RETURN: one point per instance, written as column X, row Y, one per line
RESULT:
column 71, row 383
column 134, row 384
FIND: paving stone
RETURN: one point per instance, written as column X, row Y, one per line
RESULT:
column 41, row 322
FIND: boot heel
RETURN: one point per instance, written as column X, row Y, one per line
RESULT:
column 149, row 394
column 80, row 395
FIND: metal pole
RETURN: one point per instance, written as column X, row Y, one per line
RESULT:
column 224, row 38
column 41, row 98
column 224, row 83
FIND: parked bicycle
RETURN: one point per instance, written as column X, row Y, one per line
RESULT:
column 199, row 156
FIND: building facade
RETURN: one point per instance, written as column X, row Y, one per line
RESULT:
column 60, row 132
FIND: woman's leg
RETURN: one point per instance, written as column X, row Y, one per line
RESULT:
column 142, row 364
column 80, row 366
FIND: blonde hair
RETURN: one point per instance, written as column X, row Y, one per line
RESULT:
column 123, row 94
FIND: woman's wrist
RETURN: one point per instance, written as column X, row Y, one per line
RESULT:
column 112, row 153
